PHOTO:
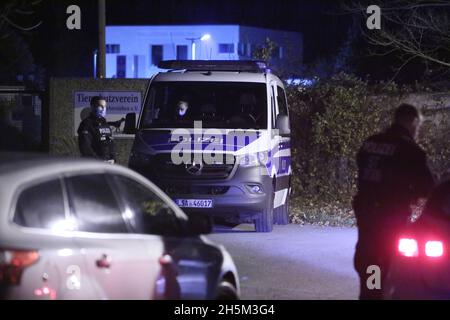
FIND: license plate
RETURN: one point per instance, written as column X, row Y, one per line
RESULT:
column 194, row 203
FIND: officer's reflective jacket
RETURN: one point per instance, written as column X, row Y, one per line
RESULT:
column 392, row 175
column 95, row 138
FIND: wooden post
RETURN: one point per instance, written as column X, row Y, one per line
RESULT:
column 101, row 54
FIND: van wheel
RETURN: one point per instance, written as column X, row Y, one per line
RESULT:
column 264, row 222
column 226, row 291
column 281, row 214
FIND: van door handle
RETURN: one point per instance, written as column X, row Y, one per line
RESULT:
column 104, row 262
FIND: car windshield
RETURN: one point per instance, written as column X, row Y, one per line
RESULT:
column 217, row 104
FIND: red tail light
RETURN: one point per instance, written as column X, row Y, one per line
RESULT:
column 13, row 262
column 434, row 249
column 408, row 247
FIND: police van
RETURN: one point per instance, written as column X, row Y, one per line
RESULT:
column 215, row 136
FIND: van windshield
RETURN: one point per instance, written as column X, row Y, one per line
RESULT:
column 228, row 105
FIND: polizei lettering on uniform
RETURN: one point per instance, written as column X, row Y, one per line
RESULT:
column 104, row 130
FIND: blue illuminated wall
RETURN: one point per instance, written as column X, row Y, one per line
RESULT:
column 132, row 51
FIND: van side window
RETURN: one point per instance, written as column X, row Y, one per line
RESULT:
column 95, row 205
column 273, row 107
column 282, row 103
column 41, row 205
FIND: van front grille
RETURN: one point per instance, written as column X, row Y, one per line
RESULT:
column 164, row 168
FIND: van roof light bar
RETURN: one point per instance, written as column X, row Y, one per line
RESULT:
column 215, row 65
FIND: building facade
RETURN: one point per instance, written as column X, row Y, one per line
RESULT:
column 134, row 51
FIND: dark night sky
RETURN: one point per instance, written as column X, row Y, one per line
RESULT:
column 69, row 53
column 316, row 19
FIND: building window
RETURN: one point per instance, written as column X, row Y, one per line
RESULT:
column 113, row 48
column 157, row 54
column 244, row 49
column 136, row 67
column 121, row 64
column 182, row 52
column 277, row 52
column 253, row 48
column 226, row 47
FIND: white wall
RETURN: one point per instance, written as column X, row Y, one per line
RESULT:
column 137, row 40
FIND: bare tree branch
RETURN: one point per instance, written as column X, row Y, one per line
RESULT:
column 411, row 28
column 13, row 8
column 19, row 26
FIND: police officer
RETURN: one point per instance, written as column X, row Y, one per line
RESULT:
column 392, row 175
column 95, row 135
column 182, row 111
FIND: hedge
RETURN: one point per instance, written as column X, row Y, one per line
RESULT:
column 329, row 121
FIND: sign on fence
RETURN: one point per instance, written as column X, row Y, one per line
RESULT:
column 118, row 104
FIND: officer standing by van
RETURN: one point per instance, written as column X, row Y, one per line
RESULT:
column 95, row 135
column 392, row 175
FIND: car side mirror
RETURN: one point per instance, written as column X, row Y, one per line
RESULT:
column 199, row 224
column 282, row 124
column 130, row 123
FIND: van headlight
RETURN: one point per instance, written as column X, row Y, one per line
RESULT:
column 254, row 159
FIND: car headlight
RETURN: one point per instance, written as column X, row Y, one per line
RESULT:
column 254, row 159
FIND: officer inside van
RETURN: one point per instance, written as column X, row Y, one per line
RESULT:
column 248, row 113
column 248, row 104
column 182, row 110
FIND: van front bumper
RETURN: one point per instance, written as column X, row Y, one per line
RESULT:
column 233, row 196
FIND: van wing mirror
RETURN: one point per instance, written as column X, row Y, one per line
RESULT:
column 130, row 123
column 282, row 124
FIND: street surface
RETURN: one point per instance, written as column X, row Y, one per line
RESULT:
column 293, row 262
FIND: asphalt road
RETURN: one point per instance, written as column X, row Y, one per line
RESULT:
column 293, row 262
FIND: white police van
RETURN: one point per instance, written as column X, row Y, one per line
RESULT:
column 215, row 136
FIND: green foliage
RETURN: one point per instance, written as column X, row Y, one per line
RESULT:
column 434, row 139
column 330, row 120
column 265, row 51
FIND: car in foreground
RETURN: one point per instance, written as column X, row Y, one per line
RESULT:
column 84, row 229
column 421, row 266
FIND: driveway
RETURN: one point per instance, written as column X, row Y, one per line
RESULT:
column 293, row 262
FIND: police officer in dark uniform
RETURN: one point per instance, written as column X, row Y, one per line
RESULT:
column 392, row 175
column 95, row 135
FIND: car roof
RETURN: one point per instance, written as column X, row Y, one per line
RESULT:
column 219, row 76
column 17, row 161
column 21, row 167
column 17, row 168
